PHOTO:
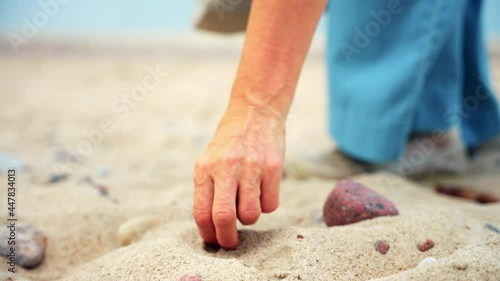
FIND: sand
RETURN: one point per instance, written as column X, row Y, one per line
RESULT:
column 53, row 94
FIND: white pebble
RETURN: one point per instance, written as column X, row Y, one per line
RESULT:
column 132, row 229
column 427, row 260
column 102, row 170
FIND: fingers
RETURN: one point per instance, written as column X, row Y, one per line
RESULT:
column 202, row 207
column 224, row 212
column 271, row 179
column 249, row 200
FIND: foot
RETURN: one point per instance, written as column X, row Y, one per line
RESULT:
column 424, row 154
column 428, row 154
column 485, row 158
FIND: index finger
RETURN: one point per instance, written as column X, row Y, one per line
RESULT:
column 224, row 213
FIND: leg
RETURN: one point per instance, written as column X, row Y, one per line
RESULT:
column 380, row 54
column 478, row 109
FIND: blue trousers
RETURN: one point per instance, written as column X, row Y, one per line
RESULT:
column 398, row 67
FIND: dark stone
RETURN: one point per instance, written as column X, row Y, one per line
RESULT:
column 30, row 245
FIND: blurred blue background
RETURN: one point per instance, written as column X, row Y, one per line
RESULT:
column 102, row 17
column 122, row 17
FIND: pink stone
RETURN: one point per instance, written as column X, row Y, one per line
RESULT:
column 426, row 245
column 187, row 277
column 351, row 202
column 382, row 247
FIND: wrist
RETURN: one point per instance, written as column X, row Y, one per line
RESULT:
column 272, row 102
column 242, row 106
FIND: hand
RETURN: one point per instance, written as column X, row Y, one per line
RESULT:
column 239, row 174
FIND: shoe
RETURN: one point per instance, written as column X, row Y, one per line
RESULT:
column 222, row 16
column 485, row 158
column 427, row 154
column 424, row 154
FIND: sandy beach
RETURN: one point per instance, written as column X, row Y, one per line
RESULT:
column 124, row 123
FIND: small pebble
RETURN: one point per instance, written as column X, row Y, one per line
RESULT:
column 10, row 161
column 424, row 246
column 425, row 261
column 131, row 230
column 281, row 275
column 55, row 178
column 187, row 277
column 351, row 202
column 300, row 236
column 31, row 244
column 382, row 247
column 102, row 189
column 319, row 219
column 492, row 228
column 102, row 170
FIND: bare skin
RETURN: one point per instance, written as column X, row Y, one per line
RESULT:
column 239, row 174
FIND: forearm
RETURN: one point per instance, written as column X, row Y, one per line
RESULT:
column 278, row 37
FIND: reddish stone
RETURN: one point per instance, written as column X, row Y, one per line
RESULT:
column 424, row 246
column 382, row 247
column 187, row 277
column 351, row 202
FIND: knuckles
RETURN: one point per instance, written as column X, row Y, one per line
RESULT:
column 201, row 165
column 248, row 217
column 269, row 207
column 208, row 165
column 210, row 162
column 251, row 162
column 224, row 218
column 202, row 217
column 274, row 166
